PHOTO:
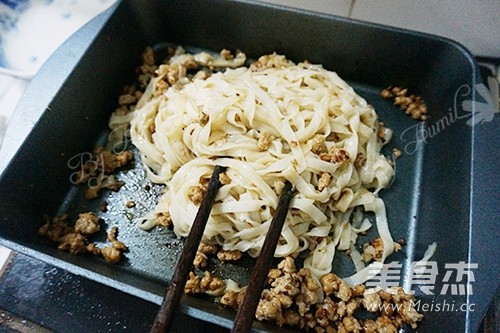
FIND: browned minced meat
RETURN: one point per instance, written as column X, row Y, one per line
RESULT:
column 224, row 179
column 226, row 54
column 87, row 224
column 196, row 193
column 201, row 257
column 99, row 169
column 396, row 153
column 271, row 307
column 231, row 255
column 200, row 260
column 193, row 284
column 208, row 248
column 232, row 298
column 160, row 87
column 207, row 284
column 115, row 242
column 373, row 250
column 168, row 75
column 109, row 161
column 92, row 248
column 74, row 239
column 54, row 228
column 372, row 302
column 413, row 105
column 335, row 155
column 264, row 141
column 212, row 284
column 111, row 254
column 202, row 75
column 381, row 130
column 309, row 294
column 318, row 144
column 269, row 61
column 204, row 249
column 107, row 181
column 163, row 220
column 333, row 285
column 72, row 242
column 324, row 180
column 292, row 298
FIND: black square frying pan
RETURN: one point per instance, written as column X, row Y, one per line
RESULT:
column 446, row 188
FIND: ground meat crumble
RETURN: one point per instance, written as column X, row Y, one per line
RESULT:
column 98, row 171
column 224, row 179
column 318, row 144
column 87, row 224
column 270, row 61
column 201, row 257
column 231, row 255
column 374, row 249
column 324, row 180
column 74, row 239
column 163, row 220
column 264, row 141
column 196, row 194
column 335, row 155
column 294, row 298
column 413, row 105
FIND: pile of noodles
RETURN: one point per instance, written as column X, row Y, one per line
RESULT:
column 223, row 119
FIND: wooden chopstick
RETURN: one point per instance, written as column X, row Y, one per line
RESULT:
column 175, row 290
column 246, row 311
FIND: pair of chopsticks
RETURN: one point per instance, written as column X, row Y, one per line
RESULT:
column 246, row 311
column 175, row 289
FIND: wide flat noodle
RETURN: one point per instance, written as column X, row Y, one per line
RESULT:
column 274, row 122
